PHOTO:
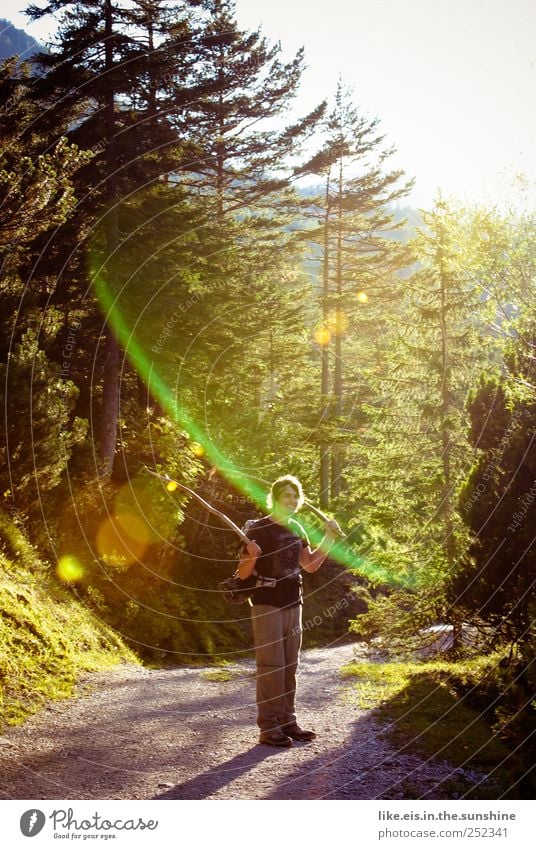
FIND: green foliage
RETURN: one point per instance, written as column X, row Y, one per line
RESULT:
column 36, row 192
column 497, row 580
column 36, row 178
column 413, row 453
column 47, row 637
column 473, row 714
column 394, row 620
column 358, row 262
column 274, row 325
column 38, row 405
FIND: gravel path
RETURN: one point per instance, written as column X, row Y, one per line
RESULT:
column 135, row 733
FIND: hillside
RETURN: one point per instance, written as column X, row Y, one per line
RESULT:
column 16, row 42
column 48, row 639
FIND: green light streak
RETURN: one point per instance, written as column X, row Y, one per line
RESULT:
column 340, row 552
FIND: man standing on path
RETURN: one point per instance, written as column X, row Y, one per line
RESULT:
column 278, row 550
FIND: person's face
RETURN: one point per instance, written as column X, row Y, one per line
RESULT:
column 288, row 499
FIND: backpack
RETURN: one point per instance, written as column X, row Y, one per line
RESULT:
column 235, row 590
column 238, row 591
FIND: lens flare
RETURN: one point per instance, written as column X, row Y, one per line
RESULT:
column 122, row 540
column 69, row 569
column 338, row 322
column 148, row 519
column 134, row 527
column 112, row 540
column 362, row 297
column 322, row 336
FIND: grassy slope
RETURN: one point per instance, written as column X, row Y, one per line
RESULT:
column 47, row 638
column 453, row 711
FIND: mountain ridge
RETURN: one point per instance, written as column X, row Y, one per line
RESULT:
column 16, row 42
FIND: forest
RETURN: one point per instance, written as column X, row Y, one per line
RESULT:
column 200, row 281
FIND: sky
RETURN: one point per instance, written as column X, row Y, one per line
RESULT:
column 453, row 82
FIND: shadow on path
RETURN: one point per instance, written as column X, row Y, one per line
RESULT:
column 208, row 783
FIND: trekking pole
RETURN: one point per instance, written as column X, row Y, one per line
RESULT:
column 318, row 513
column 229, row 522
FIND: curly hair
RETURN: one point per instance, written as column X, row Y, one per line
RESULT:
column 279, row 485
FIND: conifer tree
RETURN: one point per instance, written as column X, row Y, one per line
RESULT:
column 36, row 194
column 106, row 66
column 413, row 454
column 495, row 581
column 495, row 584
column 359, row 259
column 168, row 91
column 245, row 153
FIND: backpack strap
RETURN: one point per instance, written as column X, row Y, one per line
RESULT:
column 262, row 581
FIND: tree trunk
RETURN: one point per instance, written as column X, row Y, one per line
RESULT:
column 220, row 147
column 110, row 391
column 336, row 464
column 110, row 401
column 446, row 392
column 324, row 390
column 446, row 442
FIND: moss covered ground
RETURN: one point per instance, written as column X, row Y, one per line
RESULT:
column 473, row 713
column 48, row 638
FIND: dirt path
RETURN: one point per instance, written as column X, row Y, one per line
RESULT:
column 152, row 734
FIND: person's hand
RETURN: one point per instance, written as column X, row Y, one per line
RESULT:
column 253, row 549
column 333, row 530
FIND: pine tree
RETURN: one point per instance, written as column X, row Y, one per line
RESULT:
column 36, row 195
column 359, row 259
column 151, row 82
column 245, row 153
column 495, row 586
column 106, row 67
column 414, row 454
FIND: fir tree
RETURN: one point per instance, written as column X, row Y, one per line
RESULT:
column 359, row 260
column 36, row 195
column 245, row 153
column 496, row 582
column 105, row 68
column 413, row 453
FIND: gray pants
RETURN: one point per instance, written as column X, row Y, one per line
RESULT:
column 277, row 633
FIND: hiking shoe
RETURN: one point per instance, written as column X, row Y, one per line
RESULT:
column 275, row 738
column 298, row 733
